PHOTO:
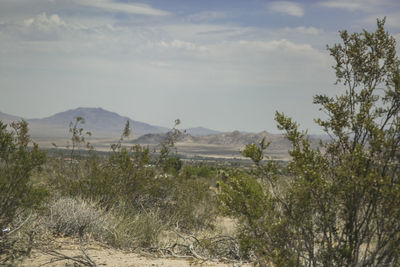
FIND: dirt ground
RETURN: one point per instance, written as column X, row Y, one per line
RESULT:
column 112, row 257
column 56, row 256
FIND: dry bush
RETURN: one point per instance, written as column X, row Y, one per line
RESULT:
column 72, row 216
column 132, row 231
column 17, row 241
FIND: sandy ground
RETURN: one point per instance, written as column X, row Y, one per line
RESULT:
column 112, row 257
column 104, row 255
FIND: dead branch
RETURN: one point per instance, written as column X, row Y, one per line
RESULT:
column 60, row 256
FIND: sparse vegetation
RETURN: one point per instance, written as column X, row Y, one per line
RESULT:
column 18, row 195
column 333, row 205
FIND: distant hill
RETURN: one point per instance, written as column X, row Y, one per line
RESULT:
column 108, row 126
column 99, row 121
column 201, row 131
column 234, row 138
column 6, row 118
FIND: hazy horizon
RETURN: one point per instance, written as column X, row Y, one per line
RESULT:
column 223, row 65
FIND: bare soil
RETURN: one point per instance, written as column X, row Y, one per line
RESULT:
column 105, row 256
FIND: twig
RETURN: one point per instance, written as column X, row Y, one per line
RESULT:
column 81, row 233
column 87, row 256
column 16, row 229
column 195, row 254
column 61, row 256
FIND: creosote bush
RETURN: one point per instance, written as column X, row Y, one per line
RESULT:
column 18, row 194
column 17, row 164
column 341, row 203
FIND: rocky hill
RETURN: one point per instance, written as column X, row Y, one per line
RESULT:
column 235, row 138
column 201, row 131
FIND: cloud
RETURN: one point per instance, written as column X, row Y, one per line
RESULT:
column 207, row 16
column 392, row 19
column 131, row 8
column 350, row 6
column 42, row 27
column 43, row 21
column 87, row 52
column 286, row 7
column 283, row 45
column 359, row 5
column 304, row 30
column 178, row 44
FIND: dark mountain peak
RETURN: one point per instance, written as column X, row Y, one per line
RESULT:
column 87, row 114
column 99, row 121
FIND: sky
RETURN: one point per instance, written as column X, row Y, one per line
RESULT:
column 225, row 65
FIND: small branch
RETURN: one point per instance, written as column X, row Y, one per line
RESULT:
column 19, row 227
column 92, row 263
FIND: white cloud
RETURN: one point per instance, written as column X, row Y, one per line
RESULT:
column 283, row 50
column 362, row 5
column 351, row 6
column 392, row 19
column 304, row 30
column 132, row 8
column 286, row 7
column 207, row 16
column 43, row 21
column 101, row 55
column 178, row 44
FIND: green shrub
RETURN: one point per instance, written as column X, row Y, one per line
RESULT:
column 190, row 171
column 18, row 161
column 193, row 204
column 129, row 181
column 18, row 194
column 341, row 205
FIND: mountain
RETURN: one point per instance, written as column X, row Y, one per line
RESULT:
column 100, row 122
column 234, row 138
column 193, row 142
column 201, row 131
column 222, row 144
column 7, row 118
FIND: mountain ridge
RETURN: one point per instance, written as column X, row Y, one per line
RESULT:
column 101, row 122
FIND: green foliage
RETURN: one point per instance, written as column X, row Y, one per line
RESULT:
column 18, row 161
column 132, row 180
column 168, row 158
column 340, row 205
column 193, row 204
column 18, row 195
column 78, row 136
column 254, row 152
column 142, row 229
column 190, row 171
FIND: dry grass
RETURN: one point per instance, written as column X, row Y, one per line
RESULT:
column 73, row 216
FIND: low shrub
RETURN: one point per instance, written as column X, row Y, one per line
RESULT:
column 73, row 216
column 131, row 231
column 18, row 161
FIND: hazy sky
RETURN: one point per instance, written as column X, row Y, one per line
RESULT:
column 221, row 64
